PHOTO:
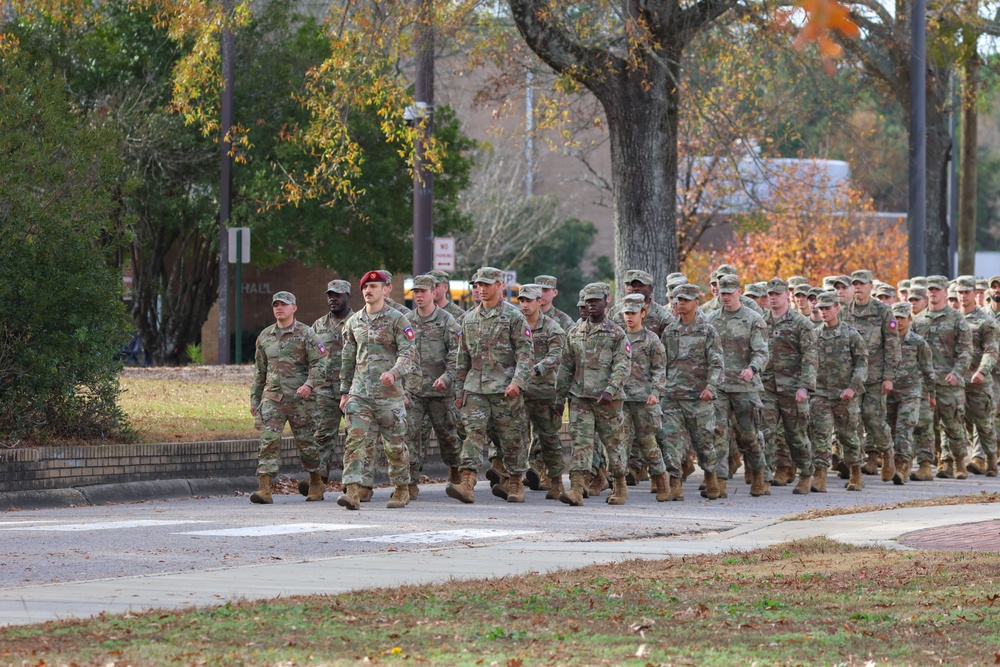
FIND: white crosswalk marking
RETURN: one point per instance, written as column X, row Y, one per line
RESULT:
column 285, row 529
column 442, row 536
column 102, row 525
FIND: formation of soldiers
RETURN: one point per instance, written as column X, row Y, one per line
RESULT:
column 785, row 379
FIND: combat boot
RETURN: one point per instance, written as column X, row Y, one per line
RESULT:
column 991, row 464
column 723, row 492
column 747, row 474
column 304, row 484
column 843, row 470
column 619, row 491
column 711, row 486
column 960, row 471
column 735, row 461
column 262, row 496
column 924, row 473
column 465, row 490
column 400, row 497
column 946, row 470
column 573, row 496
column 555, row 488
column 496, row 472
column 588, row 479
column 350, row 498
column 661, row 486
column 599, row 483
column 365, row 493
column 888, row 466
column 871, row 464
column 977, row 466
column 454, row 475
column 676, row 489
column 783, row 475
column 819, row 481
column 316, row 487
column 515, row 489
column 902, row 467
column 643, row 475
column 855, row 483
column 500, row 488
column 687, row 466
column 756, row 483
column 532, row 479
column 413, row 490
column 802, row 488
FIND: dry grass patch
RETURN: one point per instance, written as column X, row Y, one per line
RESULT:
column 174, row 410
column 968, row 499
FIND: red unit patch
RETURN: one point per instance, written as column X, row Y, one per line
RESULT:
column 409, row 332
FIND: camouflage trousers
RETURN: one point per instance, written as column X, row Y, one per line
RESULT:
column 641, row 423
column 426, row 427
column 745, row 407
column 674, row 445
column 495, row 414
column 587, row 417
column 270, row 421
column 441, row 413
column 949, row 417
column 877, row 435
column 546, row 448
column 903, row 407
column 782, row 412
column 978, row 416
column 834, row 417
column 368, row 422
column 327, row 428
column 775, row 444
column 693, row 422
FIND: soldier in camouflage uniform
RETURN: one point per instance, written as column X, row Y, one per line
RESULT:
column 993, row 310
column 442, row 295
column 788, row 378
column 288, row 363
column 842, row 367
column 387, row 290
column 430, row 389
column 549, row 292
column 378, row 354
column 874, row 321
column 744, row 349
column 544, row 412
column 716, row 303
column 494, row 367
column 643, row 392
column 595, row 365
column 330, row 330
column 695, row 372
column 913, row 388
column 950, row 339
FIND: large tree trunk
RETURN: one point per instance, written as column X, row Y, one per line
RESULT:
column 938, row 152
column 967, row 180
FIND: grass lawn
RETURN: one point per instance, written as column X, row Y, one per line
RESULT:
column 814, row 602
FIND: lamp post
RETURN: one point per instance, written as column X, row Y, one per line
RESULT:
column 917, row 211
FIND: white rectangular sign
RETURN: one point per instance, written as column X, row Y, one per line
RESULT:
column 444, row 253
column 245, row 258
column 510, row 278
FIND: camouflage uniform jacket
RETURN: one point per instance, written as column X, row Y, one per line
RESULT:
column 285, row 360
column 657, row 318
column 816, row 324
column 495, row 350
column 792, row 364
column 330, row 330
column 548, row 339
column 649, row 370
column 950, row 339
column 376, row 343
column 693, row 359
column 744, row 345
column 437, row 341
column 875, row 323
column 596, row 359
column 916, row 365
column 398, row 306
column 454, row 310
column 985, row 341
column 564, row 321
column 842, row 361
column 715, row 303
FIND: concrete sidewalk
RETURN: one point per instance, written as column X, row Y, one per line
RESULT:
column 34, row 604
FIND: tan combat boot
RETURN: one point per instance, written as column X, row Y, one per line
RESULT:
column 304, row 484
column 496, row 472
column 316, row 487
column 757, row 483
column 960, row 471
column 533, row 479
column 365, row 493
column 619, row 491
column 991, row 464
column 802, row 488
column 711, row 486
column 819, row 481
column 687, row 466
column 515, row 489
column 555, row 488
column 643, row 473
column 588, row 479
column 923, row 473
column 676, row 488
column 465, row 490
column 888, row 466
column 902, row 468
column 783, row 475
column 747, row 474
column 400, row 497
column 262, row 496
column 723, row 492
column 599, row 483
column 735, row 461
column 454, row 475
column 350, row 498
column 946, row 470
column 500, row 488
column 413, row 490
column 871, row 464
column 977, row 465
column 573, row 496
column 855, row 483
column 662, row 487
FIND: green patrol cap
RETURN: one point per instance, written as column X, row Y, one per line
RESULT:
column 546, row 281
column 795, row 281
column 903, row 285
column 425, row 281
column 777, row 286
column 902, row 309
column 633, row 303
column 952, row 292
column 674, row 282
column 713, row 277
column 637, row 274
column 842, row 280
column 686, row 291
column 489, row 275
column 729, row 283
column 981, row 284
column 726, row 270
column 678, row 276
column 581, row 301
column 338, row 286
column 756, row 290
column 388, row 276
column 530, row 291
column 593, row 291
column 937, row 282
column 440, row 276
column 965, row 284
column 826, row 300
column 828, row 282
column 884, row 290
column 283, row 297
column 814, row 292
column 861, row 276
column 994, row 279
column 916, row 293
column 802, row 290
column 918, row 281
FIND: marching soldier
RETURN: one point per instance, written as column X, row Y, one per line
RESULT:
column 912, row 392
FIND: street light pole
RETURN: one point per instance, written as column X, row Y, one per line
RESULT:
column 423, row 178
column 917, row 212
column 226, row 186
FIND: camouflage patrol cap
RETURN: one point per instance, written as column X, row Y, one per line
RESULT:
column 965, row 284
column 795, row 281
column 488, row 275
column 713, row 277
column 388, row 276
column 549, row 282
column 903, row 285
column 918, row 281
column 802, row 290
column 581, row 300
column 994, row 279
column 861, row 276
column 937, row 282
column 756, row 290
column 677, row 276
column 981, row 284
column 777, row 286
column 633, row 303
column 952, row 292
column 726, row 270
column 827, row 300
column 729, row 283
column 440, row 276
column 283, row 297
column 884, row 290
column 842, row 280
column 604, row 286
column 814, row 292
column 594, row 291
column 425, row 281
column 686, row 291
column 338, row 286
column 828, row 282
column 916, row 293
column 637, row 274
column 530, row 291
column 902, row 309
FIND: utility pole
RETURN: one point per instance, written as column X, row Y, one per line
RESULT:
column 917, row 212
column 423, row 120
column 226, row 187
column 967, row 180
